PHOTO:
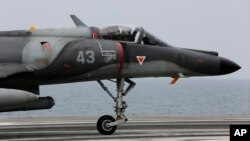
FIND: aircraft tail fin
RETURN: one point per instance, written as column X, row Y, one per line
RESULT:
column 77, row 21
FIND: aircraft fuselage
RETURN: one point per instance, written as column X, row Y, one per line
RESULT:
column 71, row 59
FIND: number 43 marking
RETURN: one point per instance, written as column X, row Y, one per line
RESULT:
column 88, row 56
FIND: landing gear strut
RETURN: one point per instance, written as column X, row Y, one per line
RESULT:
column 106, row 125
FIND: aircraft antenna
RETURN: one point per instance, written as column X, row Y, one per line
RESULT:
column 77, row 21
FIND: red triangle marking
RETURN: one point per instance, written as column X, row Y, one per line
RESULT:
column 140, row 59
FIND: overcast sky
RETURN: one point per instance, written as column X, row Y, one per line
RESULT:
column 218, row 25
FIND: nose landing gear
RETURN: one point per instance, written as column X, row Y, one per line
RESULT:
column 106, row 125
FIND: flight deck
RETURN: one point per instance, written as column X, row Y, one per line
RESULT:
column 158, row 128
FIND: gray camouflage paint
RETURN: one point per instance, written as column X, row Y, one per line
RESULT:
column 27, row 65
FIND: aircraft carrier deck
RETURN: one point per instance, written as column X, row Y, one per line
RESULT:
column 180, row 128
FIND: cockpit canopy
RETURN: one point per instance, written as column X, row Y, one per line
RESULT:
column 130, row 34
column 119, row 33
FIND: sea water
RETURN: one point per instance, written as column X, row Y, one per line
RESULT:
column 151, row 96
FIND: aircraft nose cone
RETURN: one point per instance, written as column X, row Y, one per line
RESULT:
column 227, row 66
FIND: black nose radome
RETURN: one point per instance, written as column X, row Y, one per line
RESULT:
column 227, row 66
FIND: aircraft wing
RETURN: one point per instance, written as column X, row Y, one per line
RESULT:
column 7, row 69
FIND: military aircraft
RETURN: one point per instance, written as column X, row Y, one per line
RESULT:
column 29, row 58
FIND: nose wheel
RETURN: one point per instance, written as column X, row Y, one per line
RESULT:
column 103, row 125
column 106, row 125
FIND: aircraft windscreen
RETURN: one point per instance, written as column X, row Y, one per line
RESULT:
column 149, row 39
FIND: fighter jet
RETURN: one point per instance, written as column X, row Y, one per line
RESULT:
column 34, row 57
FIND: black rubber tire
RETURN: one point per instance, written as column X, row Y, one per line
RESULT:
column 101, row 125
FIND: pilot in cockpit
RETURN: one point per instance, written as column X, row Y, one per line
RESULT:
column 128, row 34
column 119, row 33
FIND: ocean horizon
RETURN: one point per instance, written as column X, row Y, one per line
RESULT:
column 151, row 96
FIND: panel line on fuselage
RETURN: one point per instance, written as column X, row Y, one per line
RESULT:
column 99, row 44
column 105, row 52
